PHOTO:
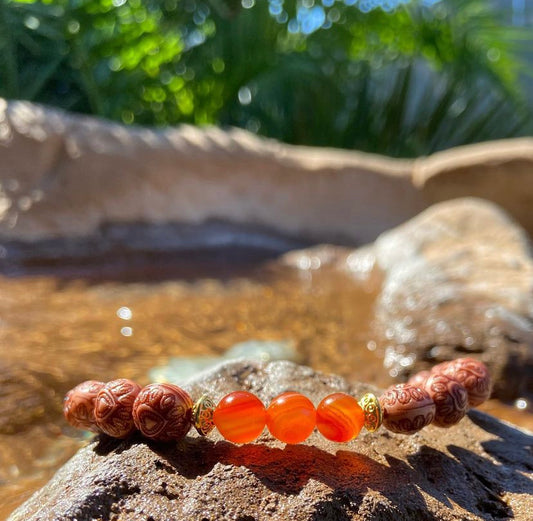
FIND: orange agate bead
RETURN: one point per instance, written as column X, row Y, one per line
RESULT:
column 291, row 417
column 240, row 417
column 339, row 417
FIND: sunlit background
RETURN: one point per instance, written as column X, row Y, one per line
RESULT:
column 397, row 77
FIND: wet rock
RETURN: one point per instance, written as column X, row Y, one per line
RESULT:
column 179, row 369
column 458, row 282
column 26, row 396
column 478, row 470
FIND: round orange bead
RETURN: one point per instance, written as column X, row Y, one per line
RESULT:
column 291, row 417
column 339, row 417
column 240, row 417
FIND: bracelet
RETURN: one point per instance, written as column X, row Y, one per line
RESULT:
column 165, row 412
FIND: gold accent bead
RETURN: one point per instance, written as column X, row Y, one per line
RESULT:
column 373, row 413
column 202, row 415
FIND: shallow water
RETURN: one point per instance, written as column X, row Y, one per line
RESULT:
column 61, row 326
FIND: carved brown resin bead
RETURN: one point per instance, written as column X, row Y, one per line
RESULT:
column 474, row 376
column 450, row 397
column 114, row 405
column 419, row 379
column 406, row 409
column 163, row 412
column 78, row 406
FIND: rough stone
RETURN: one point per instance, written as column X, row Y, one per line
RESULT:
column 454, row 281
column 458, row 282
column 66, row 175
column 479, row 470
column 499, row 171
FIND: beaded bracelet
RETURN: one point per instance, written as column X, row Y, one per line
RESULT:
column 165, row 412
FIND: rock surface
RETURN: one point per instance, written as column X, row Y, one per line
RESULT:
column 65, row 175
column 499, row 171
column 478, row 470
column 69, row 175
column 458, row 281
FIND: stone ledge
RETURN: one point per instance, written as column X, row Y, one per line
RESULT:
column 66, row 175
column 478, row 470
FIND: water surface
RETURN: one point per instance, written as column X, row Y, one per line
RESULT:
column 62, row 323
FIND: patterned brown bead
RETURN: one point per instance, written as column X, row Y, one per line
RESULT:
column 163, row 412
column 419, row 379
column 78, row 406
column 474, row 376
column 450, row 397
column 113, row 407
column 406, row 409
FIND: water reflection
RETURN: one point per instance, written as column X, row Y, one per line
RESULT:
column 124, row 313
column 521, row 404
column 62, row 331
column 126, row 331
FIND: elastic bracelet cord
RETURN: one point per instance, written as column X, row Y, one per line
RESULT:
column 165, row 412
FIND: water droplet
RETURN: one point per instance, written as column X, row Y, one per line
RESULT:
column 73, row 26
column 406, row 361
column 12, row 185
column 32, row 22
column 490, row 313
column 469, row 341
column 126, row 331
column 24, row 203
column 493, row 54
column 494, row 331
column 521, row 404
column 253, row 125
column 315, row 263
column 124, row 313
column 304, row 263
column 245, row 95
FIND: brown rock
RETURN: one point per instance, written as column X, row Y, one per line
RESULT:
column 499, row 171
column 478, row 470
column 65, row 175
column 458, row 281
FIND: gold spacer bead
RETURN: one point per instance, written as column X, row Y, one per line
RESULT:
column 202, row 415
column 373, row 413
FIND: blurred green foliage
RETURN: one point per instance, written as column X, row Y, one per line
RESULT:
column 402, row 80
